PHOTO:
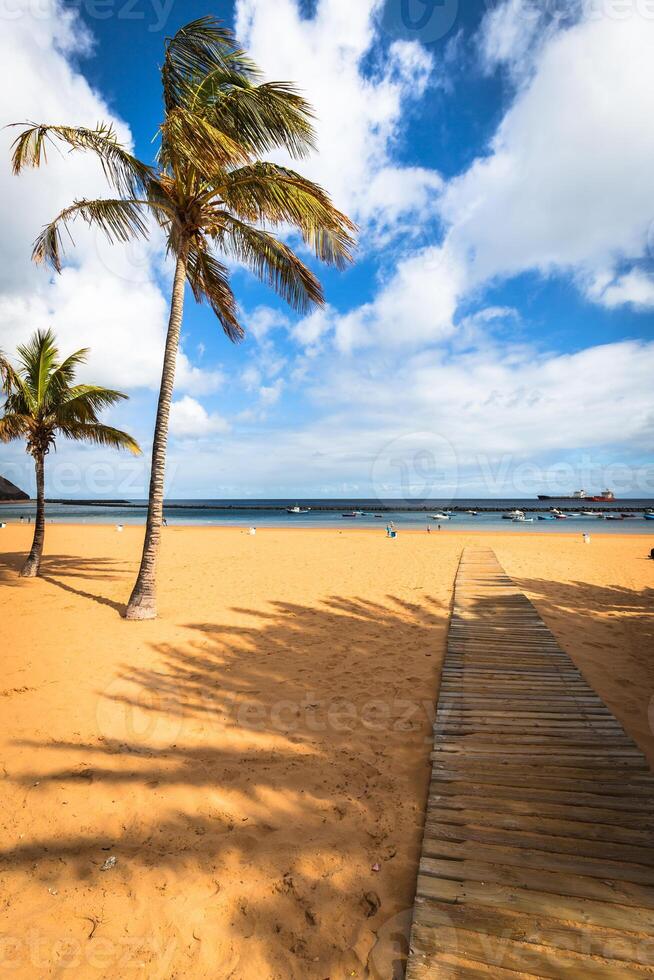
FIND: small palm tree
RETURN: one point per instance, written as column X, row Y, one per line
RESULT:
column 42, row 402
column 210, row 193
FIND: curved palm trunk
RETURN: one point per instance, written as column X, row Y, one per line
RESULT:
column 143, row 603
column 33, row 563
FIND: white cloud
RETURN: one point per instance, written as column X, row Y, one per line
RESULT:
column 270, row 394
column 635, row 288
column 479, row 419
column 511, row 29
column 359, row 116
column 251, row 377
column 263, row 321
column 568, row 184
column 312, row 328
column 190, row 420
column 108, row 297
column 415, row 307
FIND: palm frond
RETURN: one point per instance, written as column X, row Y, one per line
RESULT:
column 196, row 50
column 63, row 375
column 13, row 425
column 209, row 281
column 38, row 358
column 265, row 192
column 84, row 402
column 124, row 171
column 19, row 397
column 99, row 435
column 7, row 373
column 161, row 201
column 119, row 221
column 193, row 141
column 272, row 261
column 262, row 117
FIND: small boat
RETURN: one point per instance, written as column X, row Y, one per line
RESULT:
column 574, row 515
column 355, row 513
column 546, row 517
column 512, row 515
column 649, row 517
column 440, row 517
column 613, row 517
column 629, row 516
column 473, row 513
column 380, row 516
column 523, row 520
column 297, row 510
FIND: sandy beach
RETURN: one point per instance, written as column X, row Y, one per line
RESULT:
column 236, row 789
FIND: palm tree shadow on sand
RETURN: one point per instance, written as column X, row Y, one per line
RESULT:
column 276, row 763
column 65, row 571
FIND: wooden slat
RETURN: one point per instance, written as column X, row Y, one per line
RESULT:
column 538, row 850
column 523, row 857
column 619, row 949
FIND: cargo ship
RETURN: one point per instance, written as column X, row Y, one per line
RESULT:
column 606, row 497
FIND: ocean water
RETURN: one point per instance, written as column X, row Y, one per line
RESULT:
column 329, row 514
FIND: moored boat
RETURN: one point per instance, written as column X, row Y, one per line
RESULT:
column 606, row 496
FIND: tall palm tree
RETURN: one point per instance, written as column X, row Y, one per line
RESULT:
column 42, row 402
column 210, row 193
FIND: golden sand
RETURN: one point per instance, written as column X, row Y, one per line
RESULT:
column 256, row 760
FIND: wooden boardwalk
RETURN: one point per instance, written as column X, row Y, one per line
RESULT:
column 538, row 851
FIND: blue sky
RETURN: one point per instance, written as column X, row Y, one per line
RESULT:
column 495, row 333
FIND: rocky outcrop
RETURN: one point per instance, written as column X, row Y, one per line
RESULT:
column 9, row 492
